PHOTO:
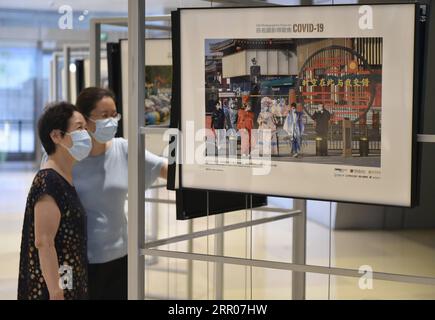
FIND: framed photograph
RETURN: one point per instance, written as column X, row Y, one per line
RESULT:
column 316, row 102
column 158, row 82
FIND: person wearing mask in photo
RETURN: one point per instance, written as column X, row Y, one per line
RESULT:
column 232, row 116
column 294, row 127
column 53, row 240
column 267, row 127
column 226, row 109
column 231, row 126
column 245, row 124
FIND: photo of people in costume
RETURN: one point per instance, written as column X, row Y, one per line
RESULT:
column 305, row 100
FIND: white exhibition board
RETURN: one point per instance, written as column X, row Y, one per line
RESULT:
column 388, row 184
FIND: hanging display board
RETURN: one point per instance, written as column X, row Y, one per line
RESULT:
column 314, row 102
column 158, row 82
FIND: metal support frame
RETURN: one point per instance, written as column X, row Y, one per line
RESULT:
column 219, row 229
column 95, row 40
column 136, row 145
column 136, row 206
column 298, row 265
column 54, row 69
column 289, row 266
column 157, row 186
column 157, row 200
column 219, row 250
column 137, row 249
column 154, row 216
column 66, row 73
column 299, row 248
column 95, row 53
column 426, row 138
column 67, row 53
column 190, row 262
column 54, row 80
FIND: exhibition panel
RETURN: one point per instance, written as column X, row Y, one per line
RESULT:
column 362, row 101
column 352, row 129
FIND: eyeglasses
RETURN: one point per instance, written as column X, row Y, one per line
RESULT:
column 117, row 117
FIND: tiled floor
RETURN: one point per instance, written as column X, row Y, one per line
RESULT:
column 405, row 252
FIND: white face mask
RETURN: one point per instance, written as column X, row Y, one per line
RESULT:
column 105, row 129
column 82, row 144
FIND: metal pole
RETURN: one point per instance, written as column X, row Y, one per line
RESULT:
column 290, row 266
column 190, row 262
column 95, row 53
column 426, row 138
column 136, row 154
column 39, row 100
column 20, row 129
column 53, row 79
column 154, row 215
column 56, row 79
column 299, row 248
column 66, row 73
column 219, row 251
column 214, row 231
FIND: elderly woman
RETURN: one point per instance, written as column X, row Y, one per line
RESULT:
column 53, row 241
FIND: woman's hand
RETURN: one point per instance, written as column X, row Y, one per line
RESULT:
column 164, row 170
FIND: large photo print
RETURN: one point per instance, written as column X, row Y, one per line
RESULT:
column 321, row 99
column 312, row 102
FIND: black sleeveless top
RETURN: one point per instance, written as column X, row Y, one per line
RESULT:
column 70, row 241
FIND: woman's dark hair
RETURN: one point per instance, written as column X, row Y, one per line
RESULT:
column 89, row 97
column 55, row 116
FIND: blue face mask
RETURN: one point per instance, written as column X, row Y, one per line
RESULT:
column 105, row 129
column 82, row 144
